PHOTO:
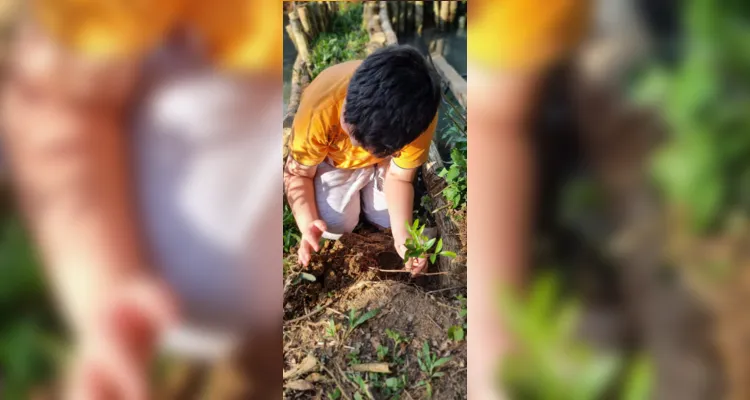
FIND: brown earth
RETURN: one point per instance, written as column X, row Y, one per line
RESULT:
column 319, row 360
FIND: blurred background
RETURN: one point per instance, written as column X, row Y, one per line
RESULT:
column 640, row 251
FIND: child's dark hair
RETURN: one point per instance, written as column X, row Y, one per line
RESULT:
column 392, row 98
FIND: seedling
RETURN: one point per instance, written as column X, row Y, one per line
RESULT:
column 420, row 246
column 394, row 386
column 456, row 333
column 335, row 395
column 331, row 330
column 355, row 319
column 397, row 340
column 382, row 352
column 429, row 364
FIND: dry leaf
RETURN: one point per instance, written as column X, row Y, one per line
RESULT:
column 307, row 365
column 381, row 368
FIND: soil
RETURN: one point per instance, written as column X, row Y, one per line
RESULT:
column 348, row 277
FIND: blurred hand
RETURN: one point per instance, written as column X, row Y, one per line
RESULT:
column 115, row 348
column 310, row 241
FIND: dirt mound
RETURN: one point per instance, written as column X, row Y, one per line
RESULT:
column 325, row 354
column 340, row 264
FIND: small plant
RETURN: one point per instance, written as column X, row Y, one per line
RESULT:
column 394, row 386
column 456, row 333
column 419, row 246
column 455, row 178
column 335, row 395
column 397, row 341
column 353, row 357
column 382, row 352
column 429, row 364
column 355, row 319
column 331, row 330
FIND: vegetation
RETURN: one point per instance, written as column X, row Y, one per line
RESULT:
column 290, row 231
column 703, row 170
column 551, row 363
column 419, row 245
column 30, row 336
column 453, row 136
column 429, row 363
column 346, row 41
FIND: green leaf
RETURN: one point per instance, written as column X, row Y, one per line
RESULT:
column 448, row 254
column 308, row 277
column 456, row 333
column 433, row 257
column 441, row 362
column 439, row 246
column 363, row 318
column 429, row 244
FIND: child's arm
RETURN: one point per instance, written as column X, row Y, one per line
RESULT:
column 63, row 134
column 399, row 195
column 298, row 181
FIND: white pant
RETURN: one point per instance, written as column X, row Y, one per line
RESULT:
column 341, row 194
column 208, row 154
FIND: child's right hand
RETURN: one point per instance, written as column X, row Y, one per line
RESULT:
column 115, row 346
column 310, row 241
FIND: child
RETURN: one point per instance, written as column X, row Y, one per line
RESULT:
column 361, row 131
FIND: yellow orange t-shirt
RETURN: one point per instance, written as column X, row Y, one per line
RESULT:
column 317, row 134
column 524, row 34
column 240, row 34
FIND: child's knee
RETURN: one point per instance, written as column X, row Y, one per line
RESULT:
column 338, row 225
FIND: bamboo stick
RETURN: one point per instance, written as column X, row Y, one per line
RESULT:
column 445, row 9
column 418, row 16
column 436, row 12
column 390, row 35
column 304, row 18
column 452, row 13
column 303, row 47
column 315, row 20
column 401, row 16
column 409, row 16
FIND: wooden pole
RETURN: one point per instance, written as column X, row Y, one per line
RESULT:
column 304, row 18
column 315, row 18
column 303, row 48
column 367, row 13
column 418, row 16
column 385, row 23
column 410, row 16
column 436, row 12
column 401, row 16
column 453, row 11
column 445, row 9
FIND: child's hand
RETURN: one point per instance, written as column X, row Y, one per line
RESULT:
column 416, row 265
column 115, row 347
column 310, row 241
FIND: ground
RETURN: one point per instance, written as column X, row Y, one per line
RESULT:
column 325, row 347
